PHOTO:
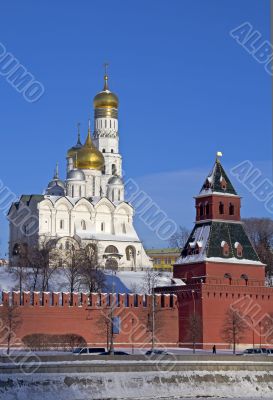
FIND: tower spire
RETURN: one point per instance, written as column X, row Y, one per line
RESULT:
column 79, row 133
column 106, row 65
column 56, row 171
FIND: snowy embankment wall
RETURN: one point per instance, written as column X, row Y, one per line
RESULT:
column 245, row 380
column 87, row 315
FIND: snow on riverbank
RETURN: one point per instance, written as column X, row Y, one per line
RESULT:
column 137, row 385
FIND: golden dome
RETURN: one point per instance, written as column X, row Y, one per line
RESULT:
column 71, row 153
column 105, row 99
column 89, row 157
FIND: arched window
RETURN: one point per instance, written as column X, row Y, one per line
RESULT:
column 231, row 209
column 61, row 224
column 130, row 253
column 111, row 250
column 239, row 249
column 119, row 195
column 103, row 150
column 201, row 210
column 112, row 151
column 245, row 277
column 223, row 183
column 225, row 248
column 102, row 226
column 83, row 225
column 123, row 228
column 228, row 276
column 114, row 170
column 207, row 209
column 221, row 208
column 67, row 245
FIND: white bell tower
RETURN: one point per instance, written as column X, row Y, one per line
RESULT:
column 106, row 135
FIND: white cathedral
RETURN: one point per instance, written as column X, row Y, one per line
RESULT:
column 88, row 208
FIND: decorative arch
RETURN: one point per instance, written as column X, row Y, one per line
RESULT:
column 67, row 243
column 105, row 202
column 111, row 263
column 63, row 202
column 111, row 249
column 131, row 255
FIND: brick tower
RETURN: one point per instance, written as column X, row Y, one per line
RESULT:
column 221, row 270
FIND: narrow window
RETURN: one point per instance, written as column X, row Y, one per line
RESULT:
column 113, row 195
column 102, row 226
column 93, row 186
column 83, row 225
column 119, row 195
column 105, row 123
column 103, row 150
column 201, row 210
column 123, row 228
column 207, row 209
column 113, row 169
column 231, row 209
column 110, row 124
column 61, row 224
column 112, row 151
column 221, row 208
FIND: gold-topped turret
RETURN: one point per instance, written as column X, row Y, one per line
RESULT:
column 105, row 98
column 89, row 157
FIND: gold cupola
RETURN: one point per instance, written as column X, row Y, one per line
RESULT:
column 89, row 157
column 106, row 98
column 71, row 153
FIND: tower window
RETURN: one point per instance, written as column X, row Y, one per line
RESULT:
column 119, row 195
column 239, row 249
column 225, row 248
column 114, row 170
column 231, row 209
column 201, row 210
column 207, row 209
column 105, row 123
column 103, row 150
column 112, row 151
column 110, row 123
column 221, row 208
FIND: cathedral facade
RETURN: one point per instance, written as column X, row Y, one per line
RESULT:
column 88, row 207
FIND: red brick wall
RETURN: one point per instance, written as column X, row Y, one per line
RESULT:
column 255, row 305
column 57, row 313
column 213, row 272
column 214, row 201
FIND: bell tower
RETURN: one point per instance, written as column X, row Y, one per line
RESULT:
column 106, row 136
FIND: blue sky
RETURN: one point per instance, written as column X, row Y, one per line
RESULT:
column 186, row 90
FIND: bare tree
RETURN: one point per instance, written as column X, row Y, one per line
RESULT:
column 179, row 238
column 10, row 322
column 234, row 328
column 150, row 280
column 44, row 261
column 71, row 263
column 90, row 274
column 260, row 232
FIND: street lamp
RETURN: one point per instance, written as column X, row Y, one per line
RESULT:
column 194, row 321
column 253, row 337
column 133, row 349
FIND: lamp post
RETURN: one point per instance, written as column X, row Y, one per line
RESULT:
column 253, row 337
column 194, row 321
column 133, row 348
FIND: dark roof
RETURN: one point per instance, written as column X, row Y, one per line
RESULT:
column 214, row 179
column 219, row 232
column 26, row 198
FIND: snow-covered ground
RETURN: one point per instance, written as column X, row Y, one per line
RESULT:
column 121, row 282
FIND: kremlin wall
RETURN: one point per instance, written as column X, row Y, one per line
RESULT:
column 88, row 316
